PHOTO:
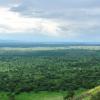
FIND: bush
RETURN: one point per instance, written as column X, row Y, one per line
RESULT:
column 96, row 97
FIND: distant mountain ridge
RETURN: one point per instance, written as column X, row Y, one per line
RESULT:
column 16, row 43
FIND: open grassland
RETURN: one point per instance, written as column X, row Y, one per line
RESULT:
column 43, row 95
column 36, row 96
column 40, row 96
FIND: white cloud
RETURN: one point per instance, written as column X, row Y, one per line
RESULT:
column 12, row 22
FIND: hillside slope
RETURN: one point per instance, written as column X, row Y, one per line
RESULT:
column 93, row 94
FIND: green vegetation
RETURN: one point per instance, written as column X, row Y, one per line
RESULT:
column 47, row 70
column 92, row 94
column 40, row 96
column 35, row 96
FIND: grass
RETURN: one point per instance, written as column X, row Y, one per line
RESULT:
column 43, row 95
column 3, row 96
column 88, row 94
column 36, row 96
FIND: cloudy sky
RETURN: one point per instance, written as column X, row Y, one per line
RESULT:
column 50, row 20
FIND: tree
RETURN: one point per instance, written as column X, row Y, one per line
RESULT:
column 69, row 95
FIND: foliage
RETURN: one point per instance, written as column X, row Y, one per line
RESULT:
column 52, row 70
column 96, row 96
column 92, row 94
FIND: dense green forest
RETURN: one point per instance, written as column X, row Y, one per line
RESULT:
column 48, row 70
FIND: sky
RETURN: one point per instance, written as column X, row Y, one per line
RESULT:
column 50, row 20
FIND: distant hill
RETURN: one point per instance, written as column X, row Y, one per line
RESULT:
column 16, row 43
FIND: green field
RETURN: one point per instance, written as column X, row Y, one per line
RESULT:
column 40, row 96
column 36, row 96
column 43, row 95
